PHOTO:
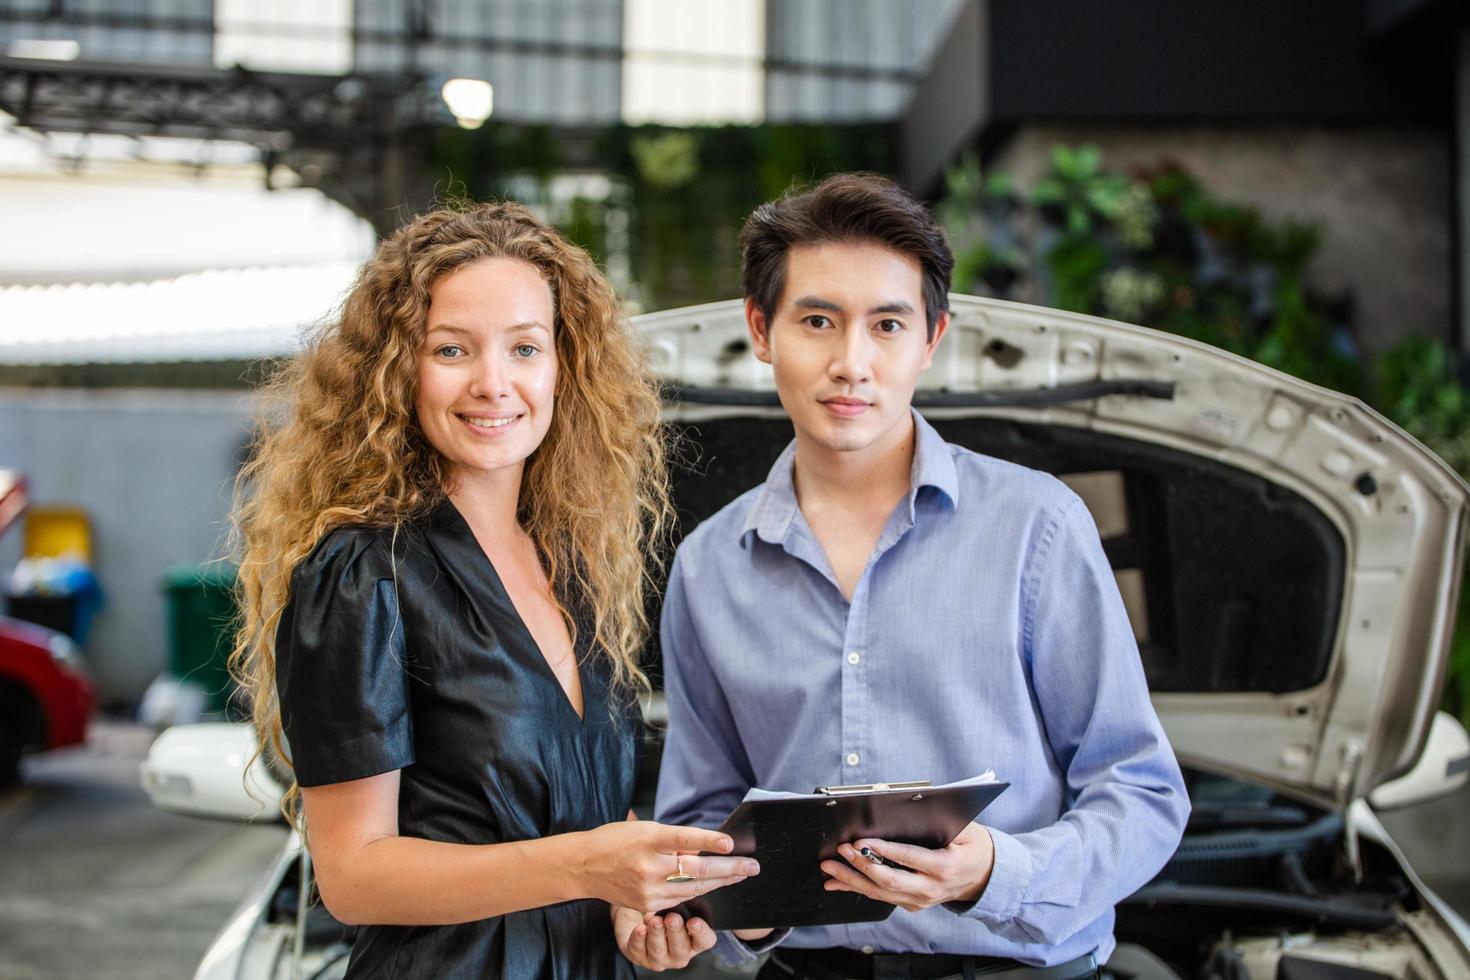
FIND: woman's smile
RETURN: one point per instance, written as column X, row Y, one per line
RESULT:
column 490, row 425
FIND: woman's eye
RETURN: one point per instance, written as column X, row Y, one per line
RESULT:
column 527, row 350
column 450, row 351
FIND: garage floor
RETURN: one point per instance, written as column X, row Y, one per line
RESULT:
column 96, row 884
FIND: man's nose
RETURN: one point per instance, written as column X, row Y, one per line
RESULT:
column 852, row 361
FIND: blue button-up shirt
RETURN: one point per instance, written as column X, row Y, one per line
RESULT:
column 986, row 632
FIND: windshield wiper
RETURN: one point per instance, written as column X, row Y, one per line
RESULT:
column 1058, row 395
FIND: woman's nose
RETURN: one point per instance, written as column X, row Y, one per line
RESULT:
column 489, row 379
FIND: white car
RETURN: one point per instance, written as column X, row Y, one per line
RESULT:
column 1290, row 561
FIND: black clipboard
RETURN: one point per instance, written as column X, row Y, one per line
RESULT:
column 791, row 837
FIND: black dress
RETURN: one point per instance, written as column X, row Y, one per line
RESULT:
column 406, row 653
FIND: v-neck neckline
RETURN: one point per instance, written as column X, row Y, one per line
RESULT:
column 543, row 665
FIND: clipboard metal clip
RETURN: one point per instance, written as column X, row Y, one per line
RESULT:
column 856, row 789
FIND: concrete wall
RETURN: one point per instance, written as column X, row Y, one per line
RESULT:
column 1381, row 196
column 951, row 104
column 154, row 470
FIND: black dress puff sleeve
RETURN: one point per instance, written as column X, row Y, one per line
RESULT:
column 340, row 654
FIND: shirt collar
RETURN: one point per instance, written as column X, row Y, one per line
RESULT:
column 933, row 463
column 775, row 507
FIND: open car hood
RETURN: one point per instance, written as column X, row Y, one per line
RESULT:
column 1290, row 558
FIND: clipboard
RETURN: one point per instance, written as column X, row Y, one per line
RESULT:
column 790, row 835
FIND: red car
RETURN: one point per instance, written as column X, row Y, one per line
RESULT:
column 45, row 695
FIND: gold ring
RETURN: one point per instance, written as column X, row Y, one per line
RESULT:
column 679, row 877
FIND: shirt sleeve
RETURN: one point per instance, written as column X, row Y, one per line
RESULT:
column 1128, row 806
column 704, row 773
column 340, row 664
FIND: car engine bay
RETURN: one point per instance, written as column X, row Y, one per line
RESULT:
column 1261, row 888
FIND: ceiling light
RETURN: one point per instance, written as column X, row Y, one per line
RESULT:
column 470, row 100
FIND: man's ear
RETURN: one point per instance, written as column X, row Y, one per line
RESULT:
column 941, row 324
column 760, row 330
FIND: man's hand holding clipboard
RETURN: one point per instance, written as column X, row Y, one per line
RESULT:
column 915, row 878
column 812, row 868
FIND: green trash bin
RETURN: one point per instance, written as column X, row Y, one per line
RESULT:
column 200, row 607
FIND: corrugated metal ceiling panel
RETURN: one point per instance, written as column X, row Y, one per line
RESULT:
column 217, row 314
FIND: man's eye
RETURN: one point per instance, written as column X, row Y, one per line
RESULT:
column 527, row 350
column 890, row 326
column 818, row 321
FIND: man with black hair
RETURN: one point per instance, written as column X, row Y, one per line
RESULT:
column 889, row 606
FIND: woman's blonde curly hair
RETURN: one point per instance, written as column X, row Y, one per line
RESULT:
column 594, row 495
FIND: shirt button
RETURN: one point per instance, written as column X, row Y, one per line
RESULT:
column 868, row 950
column 854, row 657
column 852, row 759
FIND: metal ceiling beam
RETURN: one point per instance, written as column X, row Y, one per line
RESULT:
column 361, row 139
column 357, row 137
column 280, row 111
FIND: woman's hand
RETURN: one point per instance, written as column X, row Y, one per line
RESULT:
column 628, row 864
column 660, row 942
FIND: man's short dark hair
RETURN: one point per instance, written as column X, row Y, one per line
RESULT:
column 854, row 207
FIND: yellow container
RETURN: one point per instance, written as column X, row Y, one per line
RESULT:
column 57, row 532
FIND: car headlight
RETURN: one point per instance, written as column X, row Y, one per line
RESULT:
column 64, row 651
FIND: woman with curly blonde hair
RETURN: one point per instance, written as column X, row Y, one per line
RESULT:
column 443, row 582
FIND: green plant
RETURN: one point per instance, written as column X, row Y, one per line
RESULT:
column 1076, row 265
column 1418, row 387
column 1130, row 294
column 984, row 258
column 666, row 160
column 1077, row 194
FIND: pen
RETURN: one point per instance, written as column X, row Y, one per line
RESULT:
column 877, row 858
